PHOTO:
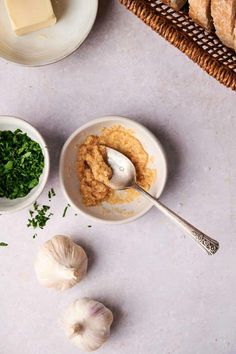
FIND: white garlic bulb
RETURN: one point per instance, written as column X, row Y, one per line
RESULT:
column 87, row 324
column 60, row 263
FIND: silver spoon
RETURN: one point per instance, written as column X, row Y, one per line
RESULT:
column 124, row 177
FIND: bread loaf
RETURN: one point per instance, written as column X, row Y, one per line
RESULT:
column 224, row 14
column 210, row 14
column 200, row 12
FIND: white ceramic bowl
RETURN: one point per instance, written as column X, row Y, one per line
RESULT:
column 115, row 214
column 13, row 123
column 49, row 45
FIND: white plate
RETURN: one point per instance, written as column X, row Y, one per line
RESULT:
column 115, row 214
column 75, row 20
column 13, row 123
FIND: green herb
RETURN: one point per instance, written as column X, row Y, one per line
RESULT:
column 39, row 216
column 51, row 194
column 3, row 244
column 21, row 164
column 65, row 210
column 35, row 235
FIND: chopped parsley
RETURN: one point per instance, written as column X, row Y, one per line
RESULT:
column 21, row 164
column 65, row 210
column 51, row 194
column 3, row 244
column 39, row 216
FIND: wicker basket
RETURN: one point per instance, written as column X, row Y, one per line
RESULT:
column 203, row 48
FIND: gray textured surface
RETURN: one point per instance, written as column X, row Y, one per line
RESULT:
column 167, row 296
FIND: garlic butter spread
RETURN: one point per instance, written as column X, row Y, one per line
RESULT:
column 94, row 172
column 30, row 15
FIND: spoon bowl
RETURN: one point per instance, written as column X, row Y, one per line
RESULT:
column 124, row 172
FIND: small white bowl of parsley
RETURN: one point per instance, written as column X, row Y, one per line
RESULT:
column 24, row 164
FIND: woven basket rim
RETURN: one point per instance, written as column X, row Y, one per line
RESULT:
column 165, row 25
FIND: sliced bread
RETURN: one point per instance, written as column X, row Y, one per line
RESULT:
column 224, row 14
column 235, row 37
column 175, row 4
column 200, row 12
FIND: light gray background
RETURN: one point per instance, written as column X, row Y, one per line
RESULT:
column 166, row 294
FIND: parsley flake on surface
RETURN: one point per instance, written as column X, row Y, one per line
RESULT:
column 51, row 193
column 3, row 244
column 40, row 215
column 65, row 210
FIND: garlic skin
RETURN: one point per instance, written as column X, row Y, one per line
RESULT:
column 60, row 263
column 87, row 324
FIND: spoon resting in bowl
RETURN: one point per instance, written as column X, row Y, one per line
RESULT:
column 124, row 177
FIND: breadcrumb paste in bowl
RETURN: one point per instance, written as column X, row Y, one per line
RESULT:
column 85, row 173
column 94, row 172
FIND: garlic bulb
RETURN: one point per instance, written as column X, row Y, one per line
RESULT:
column 60, row 263
column 87, row 324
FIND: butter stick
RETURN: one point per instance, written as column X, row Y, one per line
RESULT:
column 27, row 16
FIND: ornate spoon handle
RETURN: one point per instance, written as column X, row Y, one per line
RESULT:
column 210, row 245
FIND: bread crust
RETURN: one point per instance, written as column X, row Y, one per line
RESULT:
column 224, row 15
column 175, row 4
column 200, row 12
column 234, row 34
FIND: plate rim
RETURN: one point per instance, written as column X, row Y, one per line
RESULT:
column 54, row 61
